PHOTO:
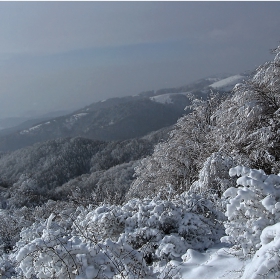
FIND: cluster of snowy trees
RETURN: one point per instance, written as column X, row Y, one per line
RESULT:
column 213, row 180
column 56, row 169
column 221, row 132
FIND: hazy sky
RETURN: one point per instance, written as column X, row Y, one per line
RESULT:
column 63, row 55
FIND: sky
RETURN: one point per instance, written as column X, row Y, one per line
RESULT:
column 66, row 55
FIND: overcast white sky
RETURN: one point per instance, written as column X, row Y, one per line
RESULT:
column 63, row 55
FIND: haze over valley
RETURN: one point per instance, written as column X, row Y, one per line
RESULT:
column 59, row 56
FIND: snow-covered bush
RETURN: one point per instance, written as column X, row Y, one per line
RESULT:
column 266, row 261
column 126, row 241
column 253, row 226
column 54, row 253
column 162, row 229
column 7, row 266
column 252, row 206
column 12, row 221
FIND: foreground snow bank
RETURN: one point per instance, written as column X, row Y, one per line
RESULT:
column 217, row 262
column 265, row 262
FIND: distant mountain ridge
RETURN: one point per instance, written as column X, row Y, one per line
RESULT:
column 12, row 122
column 115, row 118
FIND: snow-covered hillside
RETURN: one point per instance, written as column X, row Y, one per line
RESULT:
column 34, row 128
column 227, row 83
column 70, row 121
column 166, row 98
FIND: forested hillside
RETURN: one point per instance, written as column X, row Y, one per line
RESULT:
column 204, row 202
column 56, row 168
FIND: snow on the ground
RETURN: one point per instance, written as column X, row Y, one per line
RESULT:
column 75, row 117
column 165, row 98
column 69, row 122
column 33, row 128
column 212, row 79
column 227, row 82
column 216, row 262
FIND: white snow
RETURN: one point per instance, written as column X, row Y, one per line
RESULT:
column 70, row 121
column 212, row 79
column 252, row 224
column 216, row 263
column 227, row 82
column 165, row 98
column 77, row 116
column 34, row 128
column 266, row 259
column 49, row 221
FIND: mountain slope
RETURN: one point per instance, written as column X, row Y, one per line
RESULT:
column 112, row 119
column 119, row 122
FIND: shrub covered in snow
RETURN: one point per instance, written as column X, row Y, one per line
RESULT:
column 163, row 229
column 12, row 221
column 265, row 263
column 252, row 206
column 50, row 251
column 56, row 255
column 117, row 241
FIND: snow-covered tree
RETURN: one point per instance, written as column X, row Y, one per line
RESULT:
column 213, row 177
column 248, row 123
column 243, row 126
column 176, row 162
